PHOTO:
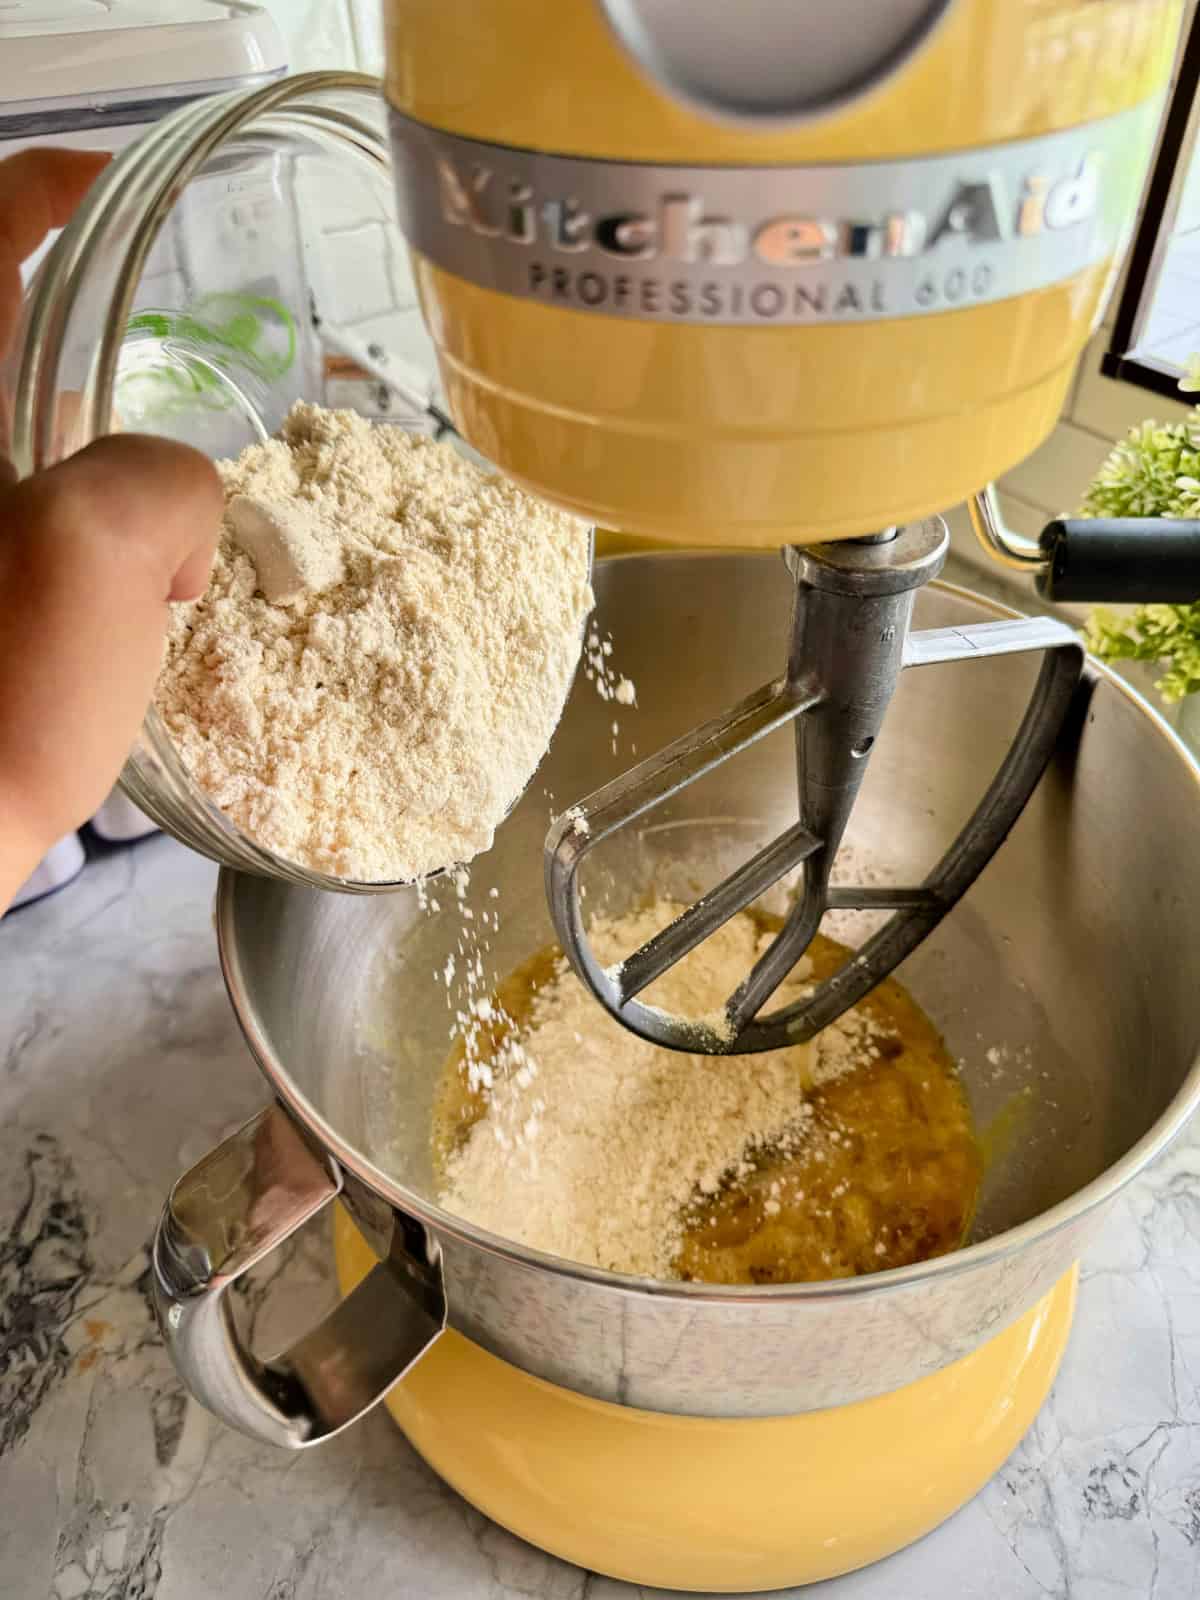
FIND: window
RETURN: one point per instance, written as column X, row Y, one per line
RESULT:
column 1157, row 326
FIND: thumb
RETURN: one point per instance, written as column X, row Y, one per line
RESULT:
column 128, row 508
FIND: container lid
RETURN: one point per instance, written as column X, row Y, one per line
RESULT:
column 58, row 53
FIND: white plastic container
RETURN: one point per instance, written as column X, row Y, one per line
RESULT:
column 90, row 77
column 71, row 70
column 85, row 76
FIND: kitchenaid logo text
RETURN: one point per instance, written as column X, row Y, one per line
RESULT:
column 772, row 244
column 680, row 230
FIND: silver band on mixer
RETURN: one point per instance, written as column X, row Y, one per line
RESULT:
column 772, row 246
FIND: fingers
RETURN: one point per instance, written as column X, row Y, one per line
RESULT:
column 90, row 553
column 39, row 191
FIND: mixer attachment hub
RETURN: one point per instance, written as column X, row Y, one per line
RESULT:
column 850, row 640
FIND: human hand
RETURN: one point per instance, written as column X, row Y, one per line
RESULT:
column 91, row 551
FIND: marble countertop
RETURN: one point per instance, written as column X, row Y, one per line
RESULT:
column 120, row 1064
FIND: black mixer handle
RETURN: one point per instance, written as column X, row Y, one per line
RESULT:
column 1090, row 560
column 1134, row 560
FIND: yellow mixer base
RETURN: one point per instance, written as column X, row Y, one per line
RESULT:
column 702, row 1504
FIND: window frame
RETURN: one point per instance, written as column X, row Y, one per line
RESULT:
column 1180, row 140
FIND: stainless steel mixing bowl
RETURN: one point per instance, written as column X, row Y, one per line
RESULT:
column 1065, row 982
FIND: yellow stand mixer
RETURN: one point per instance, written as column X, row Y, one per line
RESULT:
column 794, row 273
column 777, row 273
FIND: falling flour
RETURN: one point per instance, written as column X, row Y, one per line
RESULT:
column 383, row 650
column 594, row 1141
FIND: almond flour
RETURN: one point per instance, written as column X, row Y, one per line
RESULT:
column 383, row 650
column 594, row 1142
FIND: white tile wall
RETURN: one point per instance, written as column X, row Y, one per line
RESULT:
column 366, row 25
column 360, row 279
column 320, row 33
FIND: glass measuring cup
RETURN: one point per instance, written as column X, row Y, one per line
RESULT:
column 241, row 256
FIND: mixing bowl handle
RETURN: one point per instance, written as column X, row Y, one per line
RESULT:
column 235, row 1206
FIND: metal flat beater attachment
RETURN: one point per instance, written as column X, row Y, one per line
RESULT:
column 850, row 640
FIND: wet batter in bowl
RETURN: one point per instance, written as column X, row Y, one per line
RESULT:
column 556, row 1127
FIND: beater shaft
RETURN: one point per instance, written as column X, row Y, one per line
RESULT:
column 850, row 640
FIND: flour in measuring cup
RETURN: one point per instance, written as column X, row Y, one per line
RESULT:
column 383, row 650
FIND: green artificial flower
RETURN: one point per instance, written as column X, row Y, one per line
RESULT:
column 1168, row 634
column 1153, row 472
